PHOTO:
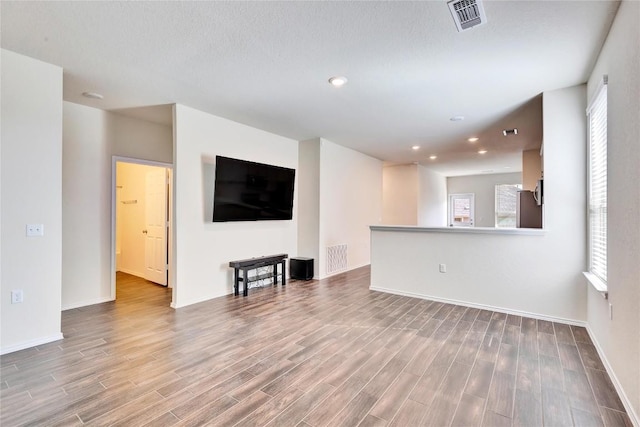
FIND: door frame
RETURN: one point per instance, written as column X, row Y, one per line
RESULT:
column 170, row 197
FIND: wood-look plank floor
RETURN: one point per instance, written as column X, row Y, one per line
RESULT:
column 327, row 353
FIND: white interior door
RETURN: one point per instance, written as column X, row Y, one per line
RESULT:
column 461, row 210
column 156, row 227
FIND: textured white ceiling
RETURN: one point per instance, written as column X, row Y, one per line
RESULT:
column 266, row 64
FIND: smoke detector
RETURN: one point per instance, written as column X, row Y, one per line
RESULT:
column 467, row 13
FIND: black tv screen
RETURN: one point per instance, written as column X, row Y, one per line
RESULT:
column 249, row 191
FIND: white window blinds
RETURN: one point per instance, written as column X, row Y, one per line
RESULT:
column 506, row 200
column 598, row 184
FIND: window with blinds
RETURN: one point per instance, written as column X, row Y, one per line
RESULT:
column 597, row 196
column 506, row 200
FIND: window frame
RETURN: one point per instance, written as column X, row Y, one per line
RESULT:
column 597, row 186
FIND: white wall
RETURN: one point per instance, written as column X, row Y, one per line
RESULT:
column 90, row 138
column 618, row 338
column 350, row 201
column 484, row 188
column 309, row 201
column 31, row 188
column 141, row 139
column 413, row 195
column 538, row 274
column 204, row 248
column 86, row 206
column 400, row 195
column 340, row 195
column 432, row 198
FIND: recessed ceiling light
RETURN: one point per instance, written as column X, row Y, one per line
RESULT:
column 457, row 118
column 433, row 157
column 415, row 147
column 482, row 151
column 338, row 81
column 92, row 95
column 473, row 139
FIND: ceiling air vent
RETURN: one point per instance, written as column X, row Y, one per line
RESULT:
column 467, row 13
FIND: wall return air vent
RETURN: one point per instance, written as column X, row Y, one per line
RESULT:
column 336, row 258
column 467, row 13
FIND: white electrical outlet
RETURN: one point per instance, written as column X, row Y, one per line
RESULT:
column 17, row 296
column 443, row 268
column 35, row 230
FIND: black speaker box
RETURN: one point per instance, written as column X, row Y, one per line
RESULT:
column 301, row 268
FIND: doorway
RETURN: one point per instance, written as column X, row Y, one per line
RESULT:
column 461, row 210
column 141, row 221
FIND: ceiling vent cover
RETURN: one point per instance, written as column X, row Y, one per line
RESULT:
column 467, row 13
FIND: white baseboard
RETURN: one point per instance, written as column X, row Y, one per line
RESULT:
column 635, row 419
column 86, row 303
column 484, row 307
column 31, row 343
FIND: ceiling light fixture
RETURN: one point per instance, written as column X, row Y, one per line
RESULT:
column 508, row 132
column 457, row 118
column 482, row 151
column 92, row 95
column 473, row 139
column 433, row 157
column 338, row 81
column 415, row 147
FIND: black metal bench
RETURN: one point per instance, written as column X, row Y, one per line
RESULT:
column 246, row 265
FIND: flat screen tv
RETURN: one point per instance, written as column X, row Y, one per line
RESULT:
column 249, row 191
